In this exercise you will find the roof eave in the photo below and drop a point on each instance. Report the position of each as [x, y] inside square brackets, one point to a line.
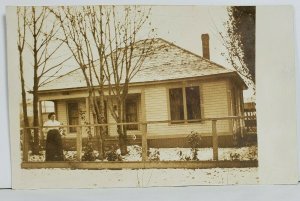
[220, 75]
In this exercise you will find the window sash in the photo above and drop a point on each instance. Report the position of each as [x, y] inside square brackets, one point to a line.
[176, 104]
[193, 103]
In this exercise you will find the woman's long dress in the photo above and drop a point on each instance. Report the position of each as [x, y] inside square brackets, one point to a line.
[54, 150]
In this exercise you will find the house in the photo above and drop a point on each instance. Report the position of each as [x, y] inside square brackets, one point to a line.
[173, 84]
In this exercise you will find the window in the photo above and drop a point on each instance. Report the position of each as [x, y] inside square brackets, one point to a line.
[185, 103]
[132, 113]
[73, 116]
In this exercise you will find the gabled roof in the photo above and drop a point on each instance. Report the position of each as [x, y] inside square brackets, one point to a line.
[168, 63]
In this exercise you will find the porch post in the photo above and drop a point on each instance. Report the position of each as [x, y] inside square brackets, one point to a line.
[87, 108]
[230, 110]
[241, 102]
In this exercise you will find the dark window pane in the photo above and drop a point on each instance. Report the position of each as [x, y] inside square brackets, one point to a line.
[193, 102]
[132, 114]
[176, 104]
[73, 116]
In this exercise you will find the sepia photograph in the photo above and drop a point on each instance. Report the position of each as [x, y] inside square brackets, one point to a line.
[162, 91]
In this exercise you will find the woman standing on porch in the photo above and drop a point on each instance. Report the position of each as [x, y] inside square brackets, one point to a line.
[54, 151]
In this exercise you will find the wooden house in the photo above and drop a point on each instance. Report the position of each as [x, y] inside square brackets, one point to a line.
[173, 84]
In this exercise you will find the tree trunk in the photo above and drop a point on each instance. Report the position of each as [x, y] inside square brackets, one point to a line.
[26, 132]
[100, 144]
[98, 130]
[102, 121]
[35, 88]
[122, 128]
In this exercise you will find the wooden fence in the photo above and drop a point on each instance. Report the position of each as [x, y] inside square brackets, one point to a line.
[145, 163]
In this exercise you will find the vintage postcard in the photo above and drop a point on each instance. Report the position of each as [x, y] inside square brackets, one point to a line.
[134, 96]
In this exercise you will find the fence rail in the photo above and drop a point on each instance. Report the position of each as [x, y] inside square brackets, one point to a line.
[145, 163]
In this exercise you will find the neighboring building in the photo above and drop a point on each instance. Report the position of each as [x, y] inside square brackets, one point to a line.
[250, 122]
[46, 106]
[173, 84]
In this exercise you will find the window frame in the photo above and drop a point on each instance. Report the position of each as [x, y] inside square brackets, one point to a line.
[68, 116]
[185, 120]
[134, 99]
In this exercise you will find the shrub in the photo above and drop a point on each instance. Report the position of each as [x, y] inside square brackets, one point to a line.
[154, 156]
[89, 154]
[235, 156]
[113, 154]
[252, 155]
[194, 140]
[184, 157]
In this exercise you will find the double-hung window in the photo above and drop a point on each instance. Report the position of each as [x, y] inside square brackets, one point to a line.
[185, 104]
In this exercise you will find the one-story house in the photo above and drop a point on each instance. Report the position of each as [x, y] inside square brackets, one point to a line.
[173, 84]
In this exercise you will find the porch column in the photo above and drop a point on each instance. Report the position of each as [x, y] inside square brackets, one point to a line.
[241, 102]
[230, 110]
[87, 108]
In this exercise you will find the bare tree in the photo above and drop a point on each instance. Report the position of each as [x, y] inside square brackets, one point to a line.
[43, 46]
[21, 13]
[21, 43]
[104, 46]
[125, 59]
[83, 36]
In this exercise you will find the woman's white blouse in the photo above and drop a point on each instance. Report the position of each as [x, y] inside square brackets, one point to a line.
[51, 123]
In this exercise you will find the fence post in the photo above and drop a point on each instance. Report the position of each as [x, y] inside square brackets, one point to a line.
[79, 143]
[215, 140]
[25, 145]
[144, 142]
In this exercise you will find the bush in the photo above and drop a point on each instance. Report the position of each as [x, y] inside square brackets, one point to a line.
[113, 154]
[194, 140]
[235, 156]
[89, 154]
[154, 156]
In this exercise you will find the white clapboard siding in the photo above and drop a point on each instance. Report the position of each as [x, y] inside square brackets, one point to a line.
[214, 99]
[215, 104]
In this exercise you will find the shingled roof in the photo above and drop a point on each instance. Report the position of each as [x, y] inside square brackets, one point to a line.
[168, 63]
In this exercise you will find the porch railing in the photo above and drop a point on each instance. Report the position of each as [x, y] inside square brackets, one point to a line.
[145, 163]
